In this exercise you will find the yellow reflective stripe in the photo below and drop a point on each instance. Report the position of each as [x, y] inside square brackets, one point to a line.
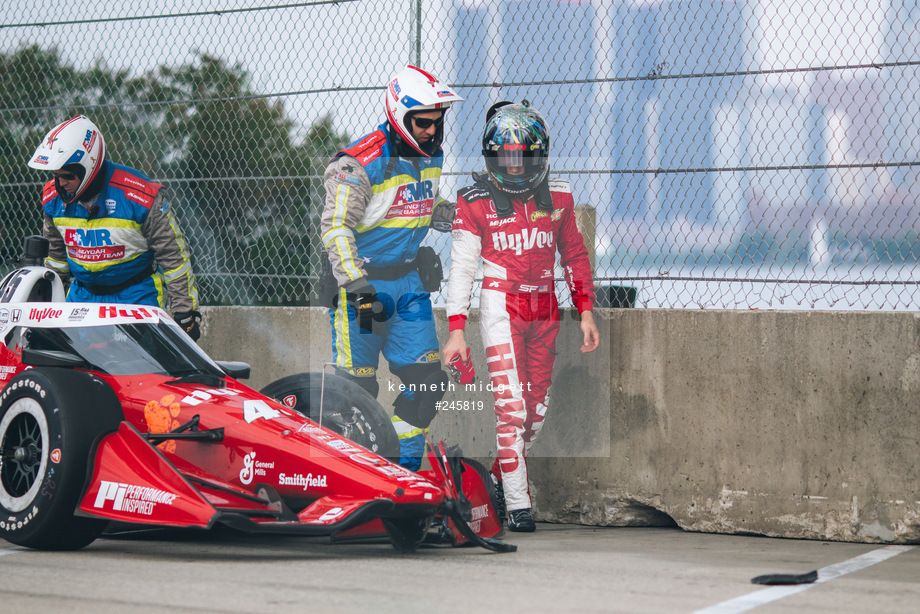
[177, 272]
[190, 289]
[347, 259]
[396, 222]
[341, 238]
[185, 269]
[399, 180]
[342, 334]
[101, 266]
[335, 233]
[180, 240]
[341, 205]
[404, 430]
[431, 173]
[57, 265]
[161, 290]
[76, 222]
[392, 182]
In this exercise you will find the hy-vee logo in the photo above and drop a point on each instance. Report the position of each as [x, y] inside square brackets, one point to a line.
[40, 314]
[111, 311]
[524, 240]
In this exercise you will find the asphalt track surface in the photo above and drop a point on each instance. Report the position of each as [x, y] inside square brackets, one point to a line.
[560, 568]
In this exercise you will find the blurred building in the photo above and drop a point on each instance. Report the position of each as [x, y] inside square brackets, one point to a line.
[546, 44]
[694, 89]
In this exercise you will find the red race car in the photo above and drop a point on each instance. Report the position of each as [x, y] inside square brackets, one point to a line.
[112, 413]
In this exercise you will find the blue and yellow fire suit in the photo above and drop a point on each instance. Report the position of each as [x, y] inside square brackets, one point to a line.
[377, 212]
[123, 246]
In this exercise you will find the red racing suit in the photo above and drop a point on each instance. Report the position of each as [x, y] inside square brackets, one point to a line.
[519, 313]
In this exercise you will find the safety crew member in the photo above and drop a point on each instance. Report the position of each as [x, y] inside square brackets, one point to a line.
[112, 233]
[381, 198]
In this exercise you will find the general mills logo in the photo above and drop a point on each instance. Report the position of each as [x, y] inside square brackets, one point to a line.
[247, 472]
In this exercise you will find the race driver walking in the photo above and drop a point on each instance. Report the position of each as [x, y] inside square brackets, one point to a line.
[515, 218]
[381, 198]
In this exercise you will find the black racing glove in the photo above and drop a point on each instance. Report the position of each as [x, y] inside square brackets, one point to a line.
[367, 306]
[189, 320]
[442, 218]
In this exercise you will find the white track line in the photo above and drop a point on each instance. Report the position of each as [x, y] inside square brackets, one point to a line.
[13, 550]
[761, 597]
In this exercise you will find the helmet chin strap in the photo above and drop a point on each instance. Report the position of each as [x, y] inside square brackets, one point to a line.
[89, 190]
[542, 196]
[404, 149]
[66, 196]
[502, 200]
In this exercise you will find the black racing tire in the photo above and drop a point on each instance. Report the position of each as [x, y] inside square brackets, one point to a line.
[50, 419]
[407, 534]
[349, 409]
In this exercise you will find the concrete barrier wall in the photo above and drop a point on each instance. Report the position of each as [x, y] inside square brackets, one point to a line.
[790, 424]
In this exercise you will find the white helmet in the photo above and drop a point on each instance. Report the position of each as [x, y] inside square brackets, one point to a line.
[413, 90]
[74, 142]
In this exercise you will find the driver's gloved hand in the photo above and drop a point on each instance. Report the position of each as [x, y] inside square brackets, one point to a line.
[366, 304]
[189, 320]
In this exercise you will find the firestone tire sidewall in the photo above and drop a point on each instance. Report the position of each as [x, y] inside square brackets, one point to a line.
[40, 512]
[303, 391]
[18, 510]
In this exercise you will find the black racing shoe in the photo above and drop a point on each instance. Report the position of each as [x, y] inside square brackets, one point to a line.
[499, 499]
[521, 521]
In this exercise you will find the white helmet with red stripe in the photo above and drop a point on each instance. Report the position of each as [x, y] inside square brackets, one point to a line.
[76, 143]
[413, 90]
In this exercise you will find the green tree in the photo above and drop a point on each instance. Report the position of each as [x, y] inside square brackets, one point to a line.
[37, 91]
[248, 192]
[251, 193]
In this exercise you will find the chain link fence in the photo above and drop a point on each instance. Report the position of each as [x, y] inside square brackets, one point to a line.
[729, 154]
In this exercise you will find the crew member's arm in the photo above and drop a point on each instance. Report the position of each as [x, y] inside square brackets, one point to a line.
[165, 238]
[466, 247]
[348, 191]
[578, 275]
[57, 250]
